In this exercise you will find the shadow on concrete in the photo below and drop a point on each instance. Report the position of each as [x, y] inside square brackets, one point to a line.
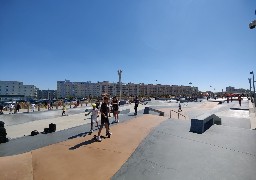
[83, 144]
[79, 135]
[243, 109]
[93, 140]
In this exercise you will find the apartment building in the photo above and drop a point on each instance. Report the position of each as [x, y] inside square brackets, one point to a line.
[46, 94]
[17, 89]
[67, 89]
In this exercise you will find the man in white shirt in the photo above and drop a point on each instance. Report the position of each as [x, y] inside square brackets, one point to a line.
[33, 106]
[11, 108]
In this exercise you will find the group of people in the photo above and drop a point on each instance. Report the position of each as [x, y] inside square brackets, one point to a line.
[104, 112]
[14, 108]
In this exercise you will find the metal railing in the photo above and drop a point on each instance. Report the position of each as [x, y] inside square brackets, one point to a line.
[179, 114]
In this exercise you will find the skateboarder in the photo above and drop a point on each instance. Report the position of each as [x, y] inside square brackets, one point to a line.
[94, 116]
[104, 118]
[64, 110]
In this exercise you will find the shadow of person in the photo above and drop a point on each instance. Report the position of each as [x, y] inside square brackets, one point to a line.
[79, 135]
[82, 144]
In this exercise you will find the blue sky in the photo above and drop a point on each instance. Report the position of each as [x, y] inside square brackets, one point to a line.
[206, 42]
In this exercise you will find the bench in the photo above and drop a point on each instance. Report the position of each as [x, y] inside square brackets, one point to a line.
[200, 124]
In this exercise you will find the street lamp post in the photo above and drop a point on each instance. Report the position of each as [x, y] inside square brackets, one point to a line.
[250, 82]
[253, 86]
[120, 83]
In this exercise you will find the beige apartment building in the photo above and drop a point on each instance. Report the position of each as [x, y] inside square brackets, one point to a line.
[67, 89]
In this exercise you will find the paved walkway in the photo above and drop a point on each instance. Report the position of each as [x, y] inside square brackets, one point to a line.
[81, 158]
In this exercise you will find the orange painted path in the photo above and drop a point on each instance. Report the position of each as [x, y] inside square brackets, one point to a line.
[81, 158]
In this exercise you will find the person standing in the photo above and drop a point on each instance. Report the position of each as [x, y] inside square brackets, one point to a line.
[18, 107]
[97, 103]
[115, 108]
[1, 109]
[136, 102]
[180, 108]
[239, 99]
[109, 109]
[104, 118]
[11, 108]
[33, 107]
[94, 116]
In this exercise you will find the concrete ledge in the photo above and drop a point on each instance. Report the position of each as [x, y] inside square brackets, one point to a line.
[147, 109]
[202, 123]
[252, 115]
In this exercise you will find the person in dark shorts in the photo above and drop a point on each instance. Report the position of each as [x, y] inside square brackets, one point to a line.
[18, 107]
[104, 118]
[136, 101]
[239, 99]
[115, 109]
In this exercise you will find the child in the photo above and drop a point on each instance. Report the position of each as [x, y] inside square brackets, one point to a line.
[64, 110]
[94, 116]
[104, 118]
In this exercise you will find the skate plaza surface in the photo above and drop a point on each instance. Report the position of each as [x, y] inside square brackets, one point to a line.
[146, 146]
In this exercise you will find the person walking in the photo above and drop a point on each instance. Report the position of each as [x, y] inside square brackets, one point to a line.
[180, 108]
[115, 108]
[94, 116]
[104, 118]
[136, 102]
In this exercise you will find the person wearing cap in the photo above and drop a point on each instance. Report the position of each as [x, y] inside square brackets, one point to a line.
[94, 116]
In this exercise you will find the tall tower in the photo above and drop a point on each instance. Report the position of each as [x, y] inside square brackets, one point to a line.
[120, 83]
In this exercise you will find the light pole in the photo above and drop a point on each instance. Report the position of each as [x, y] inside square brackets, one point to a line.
[120, 83]
[48, 94]
[253, 86]
[250, 82]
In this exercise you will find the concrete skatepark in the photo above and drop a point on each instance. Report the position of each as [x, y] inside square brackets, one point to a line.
[147, 146]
